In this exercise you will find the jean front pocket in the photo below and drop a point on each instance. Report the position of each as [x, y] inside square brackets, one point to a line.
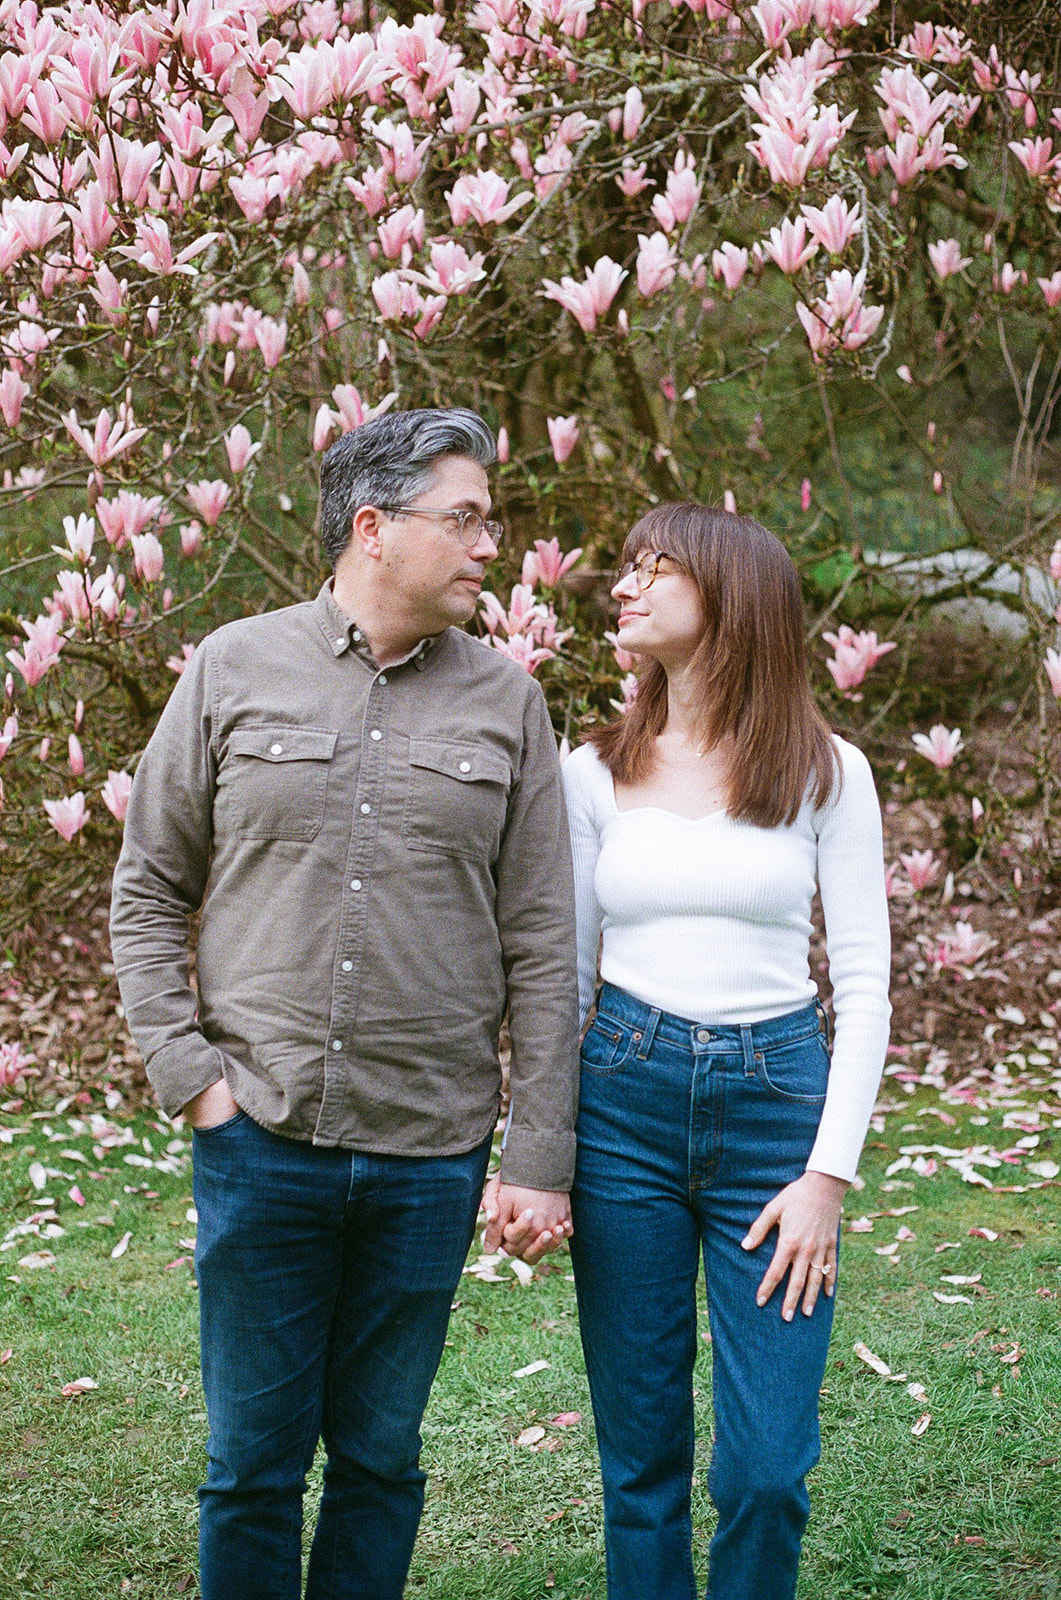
[221, 1127]
[608, 1044]
[796, 1070]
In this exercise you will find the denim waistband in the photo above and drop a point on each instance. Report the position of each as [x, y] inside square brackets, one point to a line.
[714, 1038]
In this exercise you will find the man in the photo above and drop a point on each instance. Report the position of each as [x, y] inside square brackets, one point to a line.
[365, 802]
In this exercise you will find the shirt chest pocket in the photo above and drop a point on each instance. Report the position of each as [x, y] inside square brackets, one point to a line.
[274, 782]
[457, 798]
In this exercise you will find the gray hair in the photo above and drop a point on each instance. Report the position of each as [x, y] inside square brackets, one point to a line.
[389, 461]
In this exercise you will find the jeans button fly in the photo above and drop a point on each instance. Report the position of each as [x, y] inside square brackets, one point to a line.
[703, 1036]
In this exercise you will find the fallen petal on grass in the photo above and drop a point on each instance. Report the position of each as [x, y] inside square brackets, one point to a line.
[567, 1419]
[535, 1366]
[960, 1279]
[79, 1386]
[37, 1258]
[530, 1435]
[921, 1425]
[121, 1247]
[951, 1299]
[983, 1233]
[864, 1353]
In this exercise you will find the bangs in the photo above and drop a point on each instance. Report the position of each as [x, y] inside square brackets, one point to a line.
[666, 529]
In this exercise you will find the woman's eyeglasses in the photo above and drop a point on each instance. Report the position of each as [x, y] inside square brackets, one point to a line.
[645, 568]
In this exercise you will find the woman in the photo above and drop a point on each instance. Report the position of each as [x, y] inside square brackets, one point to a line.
[702, 821]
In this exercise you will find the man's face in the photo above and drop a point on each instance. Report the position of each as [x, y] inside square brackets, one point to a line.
[435, 578]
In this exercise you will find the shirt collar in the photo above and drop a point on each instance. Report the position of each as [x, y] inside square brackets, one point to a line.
[342, 633]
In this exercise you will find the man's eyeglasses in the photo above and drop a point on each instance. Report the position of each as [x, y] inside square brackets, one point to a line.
[645, 568]
[470, 526]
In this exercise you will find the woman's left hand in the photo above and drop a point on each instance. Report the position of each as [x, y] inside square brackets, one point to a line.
[806, 1215]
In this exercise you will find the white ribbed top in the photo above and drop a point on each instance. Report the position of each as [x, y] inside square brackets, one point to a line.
[711, 920]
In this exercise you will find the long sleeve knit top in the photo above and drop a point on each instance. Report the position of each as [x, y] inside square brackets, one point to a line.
[710, 919]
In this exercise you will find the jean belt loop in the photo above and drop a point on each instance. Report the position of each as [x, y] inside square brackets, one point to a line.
[823, 1020]
[748, 1049]
[648, 1033]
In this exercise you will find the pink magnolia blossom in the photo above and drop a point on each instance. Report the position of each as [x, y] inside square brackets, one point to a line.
[109, 438]
[632, 179]
[674, 207]
[940, 745]
[148, 557]
[805, 495]
[271, 337]
[482, 197]
[628, 691]
[855, 655]
[1036, 156]
[504, 448]
[1009, 278]
[774, 20]
[1051, 288]
[625, 660]
[787, 245]
[729, 263]
[521, 649]
[42, 648]
[452, 271]
[546, 564]
[76, 756]
[68, 815]
[465, 97]
[1052, 663]
[525, 613]
[657, 264]
[588, 301]
[127, 513]
[833, 225]
[400, 231]
[325, 425]
[115, 793]
[947, 259]
[889, 879]
[1055, 562]
[960, 947]
[13, 1064]
[36, 221]
[633, 112]
[177, 664]
[153, 249]
[208, 498]
[92, 220]
[80, 537]
[563, 436]
[191, 534]
[13, 390]
[240, 449]
[922, 868]
[8, 735]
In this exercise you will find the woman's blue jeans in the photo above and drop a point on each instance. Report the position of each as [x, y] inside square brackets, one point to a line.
[326, 1279]
[684, 1133]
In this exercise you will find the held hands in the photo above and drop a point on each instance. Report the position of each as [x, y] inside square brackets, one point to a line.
[210, 1108]
[524, 1222]
[806, 1215]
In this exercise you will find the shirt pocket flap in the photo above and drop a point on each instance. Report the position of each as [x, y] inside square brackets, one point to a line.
[284, 744]
[468, 763]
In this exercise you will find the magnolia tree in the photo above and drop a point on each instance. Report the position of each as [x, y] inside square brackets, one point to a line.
[670, 250]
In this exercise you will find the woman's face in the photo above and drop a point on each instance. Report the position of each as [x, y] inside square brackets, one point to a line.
[660, 611]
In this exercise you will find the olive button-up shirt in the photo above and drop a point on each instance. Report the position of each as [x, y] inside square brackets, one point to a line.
[382, 865]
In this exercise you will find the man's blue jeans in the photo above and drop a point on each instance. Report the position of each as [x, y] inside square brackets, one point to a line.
[326, 1279]
[684, 1134]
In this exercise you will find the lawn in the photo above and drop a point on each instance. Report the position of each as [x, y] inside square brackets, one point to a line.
[99, 1492]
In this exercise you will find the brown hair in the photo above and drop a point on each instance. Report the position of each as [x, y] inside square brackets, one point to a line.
[750, 666]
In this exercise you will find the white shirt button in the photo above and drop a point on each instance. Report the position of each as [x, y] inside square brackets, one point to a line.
[348, 966]
[355, 883]
[340, 644]
[365, 808]
[357, 635]
[276, 749]
[466, 766]
[382, 678]
[376, 734]
[337, 1044]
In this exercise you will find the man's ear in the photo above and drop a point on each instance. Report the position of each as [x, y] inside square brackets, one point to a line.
[366, 534]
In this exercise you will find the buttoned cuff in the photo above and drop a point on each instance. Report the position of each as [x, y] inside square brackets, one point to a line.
[183, 1069]
[539, 1160]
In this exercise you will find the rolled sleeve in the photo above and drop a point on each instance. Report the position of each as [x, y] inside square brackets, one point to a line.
[536, 924]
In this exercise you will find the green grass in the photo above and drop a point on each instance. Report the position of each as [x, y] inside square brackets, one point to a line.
[98, 1491]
